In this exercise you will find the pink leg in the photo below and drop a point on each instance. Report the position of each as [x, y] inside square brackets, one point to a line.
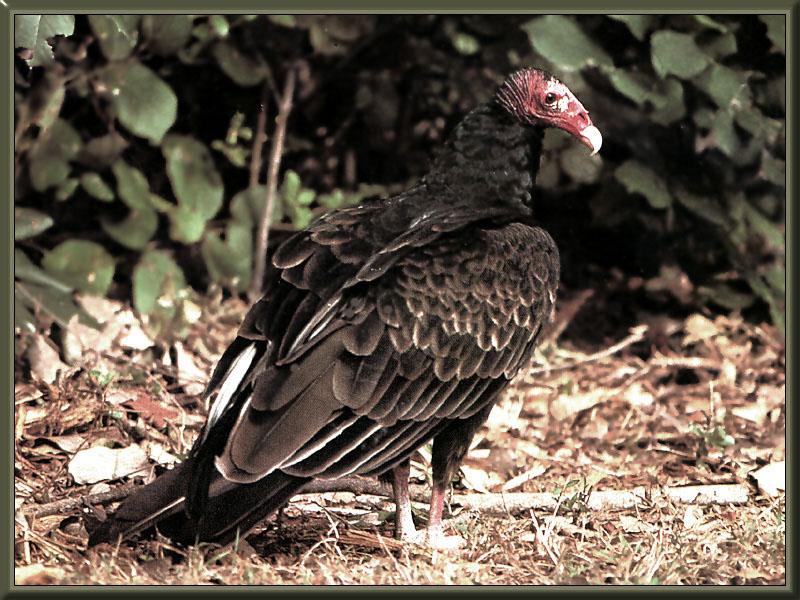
[404, 521]
[435, 534]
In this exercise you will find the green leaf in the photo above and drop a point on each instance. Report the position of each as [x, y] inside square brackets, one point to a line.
[465, 44]
[82, 264]
[56, 304]
[301, 216]
[242, 69]
[668, 102]
[48, 172]
[50, 156]
[219, 24]
[94, 185]
[724, 134]
[772, 169]
[144, 104]
[230, 261]
[186, 224]
[157, 281]
[338, 199]
[29, 223]
[247, 205]
[135, 230]
[195, 181]
[776, 278]
[721, 46]
[116, 34]
[66, 189]
[54, 92]
[25, 270]
[23, 318]
[630, 85]
[581, 167]
[639, 179]
[752, 120]
[161, 205]
[33, 31]
[332, 35]
[674, 53]
[283, 20]
[305, 197]
[727, 297]
[132, 186]
[296, 199]
[332, 201]
[773, 298]
[765, 228]
[290, 187]
[236, 155]
[561, 41]
[102, 151]
[639, 25]
[703, 118]
[166, 34]
[725, 86]
[705, 208]
[776, 30]
[711, 23]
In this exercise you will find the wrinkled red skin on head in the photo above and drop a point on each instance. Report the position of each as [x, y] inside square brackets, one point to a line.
[524, 95]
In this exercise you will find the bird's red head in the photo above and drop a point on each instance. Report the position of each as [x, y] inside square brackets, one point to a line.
[537, 98]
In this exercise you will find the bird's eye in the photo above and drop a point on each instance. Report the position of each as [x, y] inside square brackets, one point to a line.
[550, 98]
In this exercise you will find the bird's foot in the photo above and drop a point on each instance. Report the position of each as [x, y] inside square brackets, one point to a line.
[434, 539]
[437, 540]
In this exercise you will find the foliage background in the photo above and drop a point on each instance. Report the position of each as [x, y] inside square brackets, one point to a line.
[133, 138]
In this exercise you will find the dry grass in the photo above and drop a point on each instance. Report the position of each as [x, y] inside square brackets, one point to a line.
[657, 413]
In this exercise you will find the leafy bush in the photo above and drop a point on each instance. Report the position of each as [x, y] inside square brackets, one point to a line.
[134, 137]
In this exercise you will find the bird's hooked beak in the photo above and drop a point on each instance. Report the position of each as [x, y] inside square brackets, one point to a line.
[575, 120]
[592, 137]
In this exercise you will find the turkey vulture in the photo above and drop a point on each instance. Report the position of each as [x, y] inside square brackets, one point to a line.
[383, 326]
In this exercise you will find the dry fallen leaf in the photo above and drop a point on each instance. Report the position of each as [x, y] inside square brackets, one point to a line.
[567, 405]
[633, 525]
[523, 478]
[692, 517]
[637, 396]
[44, 359]
[150, 410]
[134, 338]
[190, 376]
[100, 463]
[79, 339]
[68, 443]
[771, 479]
[698, 328]
[37, 574]
[26, 392]
[158, 453]
[478, 479]
[102, 309]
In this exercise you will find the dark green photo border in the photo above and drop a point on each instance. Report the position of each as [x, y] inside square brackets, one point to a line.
[8, 8]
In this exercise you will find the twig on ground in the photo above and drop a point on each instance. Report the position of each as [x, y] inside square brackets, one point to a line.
[69, 504]
[566, 313]
[686, 362]
[488, 503]
[636, 335]
[543, 537]
[275, 156]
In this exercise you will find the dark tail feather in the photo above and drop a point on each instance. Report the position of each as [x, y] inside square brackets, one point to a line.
[228, 512]
[236, 511]
[145, 507]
